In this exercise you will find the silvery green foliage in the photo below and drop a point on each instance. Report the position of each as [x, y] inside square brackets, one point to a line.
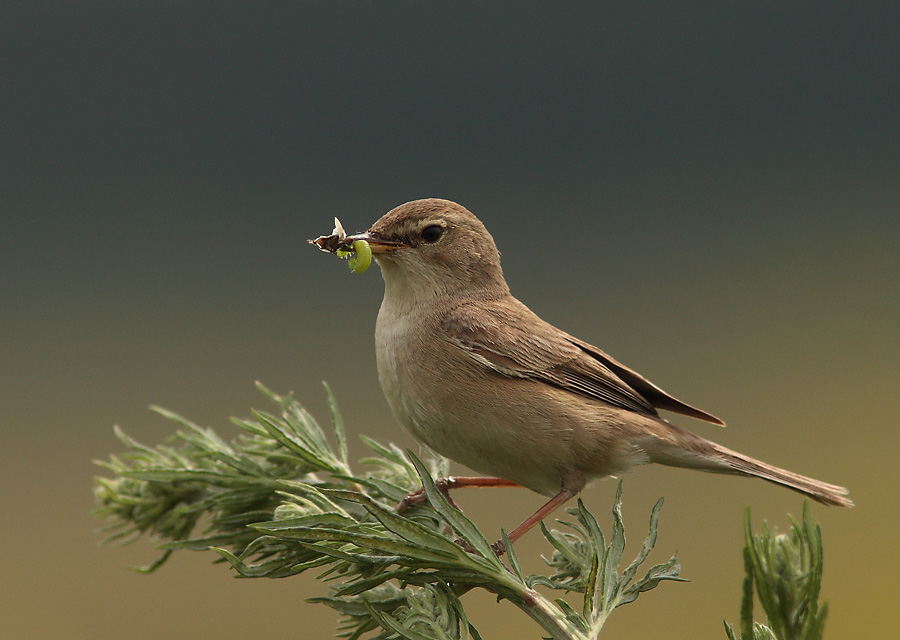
[585, 563]
[282, 499]
[786, 570]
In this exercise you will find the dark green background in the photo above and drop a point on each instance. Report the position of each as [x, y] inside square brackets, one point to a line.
[709, 191]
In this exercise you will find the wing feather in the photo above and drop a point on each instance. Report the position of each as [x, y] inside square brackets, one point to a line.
[509, 338]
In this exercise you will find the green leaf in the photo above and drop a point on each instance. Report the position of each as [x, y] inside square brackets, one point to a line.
[614, 552]
[572, 616]
[340, 432]
[387, 622]
[649, 543]
[511, 555]
[416, 555]
[403, 527]
[786, 571]
[307, 521]
[302, 447]
[565, 548]
[593, 602]
[464, 527]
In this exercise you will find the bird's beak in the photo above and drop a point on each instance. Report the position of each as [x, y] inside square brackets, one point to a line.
[377, 244]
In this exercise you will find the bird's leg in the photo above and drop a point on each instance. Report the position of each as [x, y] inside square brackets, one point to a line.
[444, 485]
[552, 505]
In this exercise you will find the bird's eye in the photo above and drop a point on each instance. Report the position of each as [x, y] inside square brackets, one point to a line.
[432, 233]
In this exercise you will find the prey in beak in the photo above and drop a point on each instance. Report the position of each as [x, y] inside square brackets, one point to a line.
[378, 245]
[339, 241]
[364, 245]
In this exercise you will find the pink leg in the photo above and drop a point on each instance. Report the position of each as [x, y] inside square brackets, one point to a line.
[444, 485]
[552, 505]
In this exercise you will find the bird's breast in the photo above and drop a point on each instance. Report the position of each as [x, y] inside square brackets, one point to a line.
[398, 354]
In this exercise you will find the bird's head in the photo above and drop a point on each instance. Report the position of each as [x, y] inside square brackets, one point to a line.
[433, 249]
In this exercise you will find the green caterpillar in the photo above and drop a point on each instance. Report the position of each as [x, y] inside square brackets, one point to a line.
[363, 258]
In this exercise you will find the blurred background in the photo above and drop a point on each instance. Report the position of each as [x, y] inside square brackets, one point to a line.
[708, 191]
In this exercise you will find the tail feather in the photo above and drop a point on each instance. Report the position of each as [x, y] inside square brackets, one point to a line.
[830, 494]
[681, 448]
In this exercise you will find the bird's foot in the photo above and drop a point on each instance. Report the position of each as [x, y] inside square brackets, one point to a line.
[418, 496]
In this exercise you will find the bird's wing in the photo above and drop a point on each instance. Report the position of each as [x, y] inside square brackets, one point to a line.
[510, 339]
[659, 398]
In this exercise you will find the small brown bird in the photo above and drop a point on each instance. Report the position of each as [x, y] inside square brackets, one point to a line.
[475, 375]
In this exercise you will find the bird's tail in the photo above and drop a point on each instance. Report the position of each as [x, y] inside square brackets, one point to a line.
[695, 452]
[830, 494]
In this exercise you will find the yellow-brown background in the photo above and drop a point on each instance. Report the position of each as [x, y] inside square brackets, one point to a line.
[709, 192]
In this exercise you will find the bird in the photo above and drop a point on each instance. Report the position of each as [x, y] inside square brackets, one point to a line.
[476, 376]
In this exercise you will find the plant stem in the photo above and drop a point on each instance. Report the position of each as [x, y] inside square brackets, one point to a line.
[546, 614]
